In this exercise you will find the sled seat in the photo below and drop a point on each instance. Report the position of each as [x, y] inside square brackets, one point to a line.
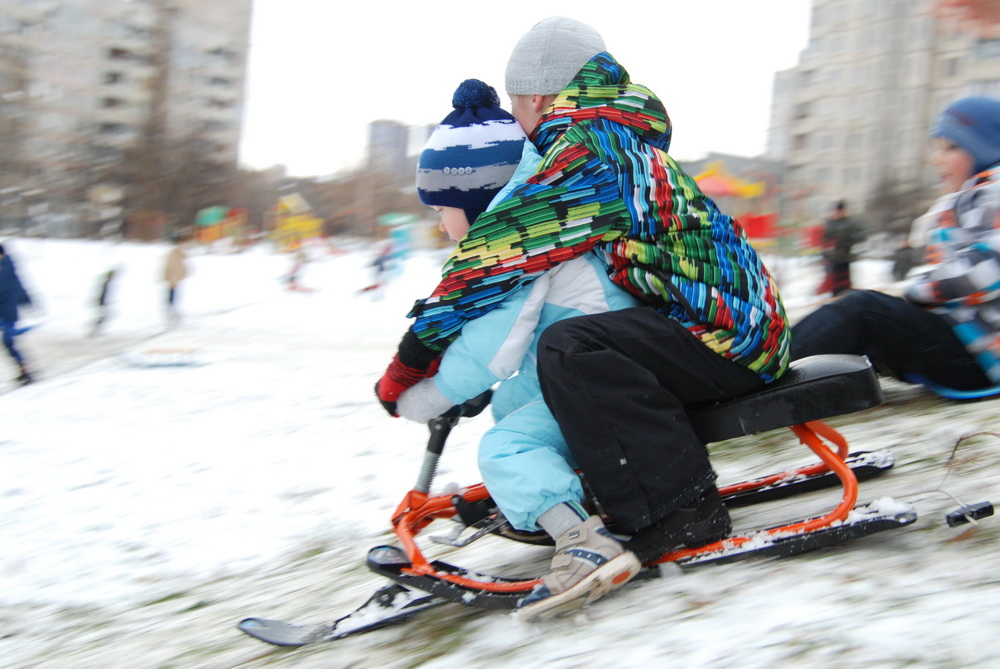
[813, 388]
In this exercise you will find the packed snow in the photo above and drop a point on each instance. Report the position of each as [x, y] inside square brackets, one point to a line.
[162, 483]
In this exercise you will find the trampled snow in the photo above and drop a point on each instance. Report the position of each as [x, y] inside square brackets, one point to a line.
[159, 484]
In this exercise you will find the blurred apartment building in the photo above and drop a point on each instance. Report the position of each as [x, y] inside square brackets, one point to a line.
[851, 120]
[394, 148]
[388, 143]
[85, 84]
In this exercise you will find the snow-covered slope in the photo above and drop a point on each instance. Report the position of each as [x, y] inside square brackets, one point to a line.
[160, 484]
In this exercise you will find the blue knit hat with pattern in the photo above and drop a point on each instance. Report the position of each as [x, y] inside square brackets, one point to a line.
[973, 125]
[472, 154]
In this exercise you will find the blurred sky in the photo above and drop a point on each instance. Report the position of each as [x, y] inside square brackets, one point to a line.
[320, 71]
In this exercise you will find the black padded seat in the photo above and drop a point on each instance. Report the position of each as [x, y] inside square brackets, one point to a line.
[814, 388]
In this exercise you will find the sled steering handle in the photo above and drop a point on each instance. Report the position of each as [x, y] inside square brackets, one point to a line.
[440, 428]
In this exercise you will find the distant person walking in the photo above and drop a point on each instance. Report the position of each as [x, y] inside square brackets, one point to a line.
[12, 296]
[101, 302]
[381, 265]
[175, 270]
[840, 234]
[299, 260]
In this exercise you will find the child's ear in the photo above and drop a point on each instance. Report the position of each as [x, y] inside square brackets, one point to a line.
[539, 103]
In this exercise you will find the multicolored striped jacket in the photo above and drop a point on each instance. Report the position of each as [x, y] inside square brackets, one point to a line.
[606, 183]
[963, 286]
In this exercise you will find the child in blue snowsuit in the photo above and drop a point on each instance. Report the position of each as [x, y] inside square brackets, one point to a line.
[12, 295]
[524, 460]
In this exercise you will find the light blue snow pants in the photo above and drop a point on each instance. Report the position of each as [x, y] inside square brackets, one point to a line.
[527, 467]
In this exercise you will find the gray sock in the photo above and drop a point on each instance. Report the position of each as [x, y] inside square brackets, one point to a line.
[562, 517]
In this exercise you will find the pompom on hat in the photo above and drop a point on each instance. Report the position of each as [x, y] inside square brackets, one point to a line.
[549, 55]
[472, 154]
[973, 125]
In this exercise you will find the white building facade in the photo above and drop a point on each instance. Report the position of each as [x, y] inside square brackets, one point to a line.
[851, 120]
[82, 81]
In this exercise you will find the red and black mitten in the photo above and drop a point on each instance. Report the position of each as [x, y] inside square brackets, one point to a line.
[412, 362]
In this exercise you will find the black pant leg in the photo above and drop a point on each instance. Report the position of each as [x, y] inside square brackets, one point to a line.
[617, 384]
[899, 338]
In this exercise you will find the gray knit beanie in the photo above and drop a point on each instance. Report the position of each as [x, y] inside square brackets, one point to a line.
[549, 55]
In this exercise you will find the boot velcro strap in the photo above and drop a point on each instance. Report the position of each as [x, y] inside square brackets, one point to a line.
[596, 559]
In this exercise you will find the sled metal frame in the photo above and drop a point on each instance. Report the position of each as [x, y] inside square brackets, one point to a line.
[814, 388]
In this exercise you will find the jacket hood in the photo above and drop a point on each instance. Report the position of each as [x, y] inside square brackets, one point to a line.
[602, 89]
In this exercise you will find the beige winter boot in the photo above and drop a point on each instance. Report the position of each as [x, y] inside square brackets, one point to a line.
[588, 564]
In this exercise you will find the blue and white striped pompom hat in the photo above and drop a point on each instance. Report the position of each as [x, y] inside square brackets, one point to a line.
[472, 154]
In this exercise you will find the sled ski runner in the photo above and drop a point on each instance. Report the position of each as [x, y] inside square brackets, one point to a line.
[397, 602]
[812, 390]
[390, 604]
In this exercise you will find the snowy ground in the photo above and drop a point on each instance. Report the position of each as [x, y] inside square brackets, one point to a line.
[144, 510]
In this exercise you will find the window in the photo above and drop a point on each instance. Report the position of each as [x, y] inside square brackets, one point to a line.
[987, 49]
[859, 106]
[114, 77]
[988, 87]
[830, 108]
[865, 39]
[950, 67]
[222, 55]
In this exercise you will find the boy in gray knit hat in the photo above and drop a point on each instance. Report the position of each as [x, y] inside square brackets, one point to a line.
[524, 461]
[543, 63]
[549, 56]
[616, 382]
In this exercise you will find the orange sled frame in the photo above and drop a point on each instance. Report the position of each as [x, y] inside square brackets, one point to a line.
[814, 388]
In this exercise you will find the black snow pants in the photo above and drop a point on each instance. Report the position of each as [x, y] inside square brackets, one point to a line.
[899, 338]
[617, 384]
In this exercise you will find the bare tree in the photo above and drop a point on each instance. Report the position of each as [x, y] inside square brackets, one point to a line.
[894, 205]
[13, 168]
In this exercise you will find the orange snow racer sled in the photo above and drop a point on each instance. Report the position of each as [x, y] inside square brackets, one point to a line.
[813, 389]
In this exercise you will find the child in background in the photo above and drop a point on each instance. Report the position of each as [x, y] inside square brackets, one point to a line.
[175, 270]
[101, 302]
[946, 329]
[524, 461]
[12, 296]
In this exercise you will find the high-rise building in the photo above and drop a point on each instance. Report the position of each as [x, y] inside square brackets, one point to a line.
[85, 82]
[388, 147]
[851, 120]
